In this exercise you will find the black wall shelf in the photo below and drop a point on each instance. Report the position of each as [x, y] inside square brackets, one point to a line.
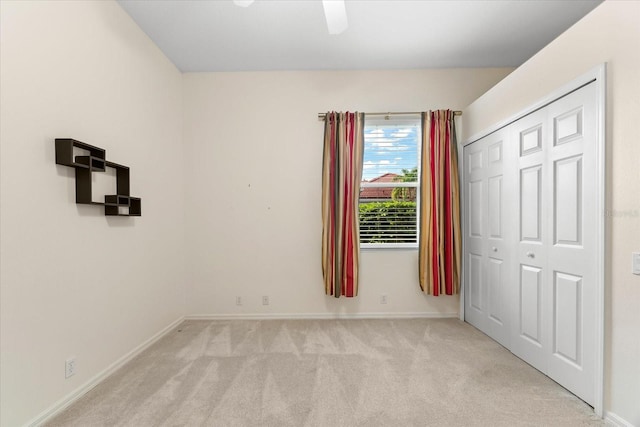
[120, 204]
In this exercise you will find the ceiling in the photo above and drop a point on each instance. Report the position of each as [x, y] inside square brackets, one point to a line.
[382, 34]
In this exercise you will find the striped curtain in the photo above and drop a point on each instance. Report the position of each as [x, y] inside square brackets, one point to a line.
[341, 174]
[439, 240]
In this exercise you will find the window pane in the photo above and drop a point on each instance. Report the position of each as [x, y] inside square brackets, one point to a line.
[391, 150]
[389, 189]
[388, 221]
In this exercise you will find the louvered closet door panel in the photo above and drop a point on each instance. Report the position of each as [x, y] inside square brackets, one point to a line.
[529, 314]
[572, 254]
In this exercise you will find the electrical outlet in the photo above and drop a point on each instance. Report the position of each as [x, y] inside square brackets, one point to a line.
[383, 299]
[70, 367]
[635, 263]
[238, 300]
[265, 300]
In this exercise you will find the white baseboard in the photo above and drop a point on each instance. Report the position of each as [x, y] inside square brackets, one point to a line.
[72, 397]
[267, 316]
[615, 420]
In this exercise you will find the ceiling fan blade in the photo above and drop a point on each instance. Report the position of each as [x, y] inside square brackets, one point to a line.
[243, 3]
[335, 13]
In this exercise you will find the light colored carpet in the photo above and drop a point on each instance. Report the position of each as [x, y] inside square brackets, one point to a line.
[409, 372]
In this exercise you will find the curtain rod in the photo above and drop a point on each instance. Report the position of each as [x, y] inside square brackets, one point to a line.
[322, 116]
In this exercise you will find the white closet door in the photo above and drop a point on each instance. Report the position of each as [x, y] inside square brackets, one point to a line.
[531, 256]
[529, 340]
[499, 226]
[485, 263]
[572, 254]
[475, 225]
[556, 251]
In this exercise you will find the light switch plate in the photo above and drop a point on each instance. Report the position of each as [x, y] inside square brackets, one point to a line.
[636, 263]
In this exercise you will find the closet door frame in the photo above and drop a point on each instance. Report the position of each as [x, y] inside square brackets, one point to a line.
[596, 76]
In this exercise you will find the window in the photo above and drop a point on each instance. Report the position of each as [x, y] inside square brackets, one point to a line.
[389, 186]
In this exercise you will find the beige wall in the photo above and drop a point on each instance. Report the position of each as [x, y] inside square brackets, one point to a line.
[253, 182]
[611, 33]
[74, 283]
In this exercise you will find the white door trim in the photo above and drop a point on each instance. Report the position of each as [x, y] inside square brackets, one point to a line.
[597, 76]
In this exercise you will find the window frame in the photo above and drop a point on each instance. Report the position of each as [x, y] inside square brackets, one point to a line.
[413, 120]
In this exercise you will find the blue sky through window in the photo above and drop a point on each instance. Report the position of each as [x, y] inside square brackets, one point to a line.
[389, 148]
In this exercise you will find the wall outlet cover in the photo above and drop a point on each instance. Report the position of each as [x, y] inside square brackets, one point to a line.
[70, 367]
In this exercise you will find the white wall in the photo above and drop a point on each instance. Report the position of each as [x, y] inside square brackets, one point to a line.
[253, 184]
[72, 281]
[611, 33]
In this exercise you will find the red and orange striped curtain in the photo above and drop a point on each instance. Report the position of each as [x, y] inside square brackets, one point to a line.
[341, 175]
[439, 240]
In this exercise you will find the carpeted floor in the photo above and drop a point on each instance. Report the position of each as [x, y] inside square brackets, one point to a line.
[409, 372]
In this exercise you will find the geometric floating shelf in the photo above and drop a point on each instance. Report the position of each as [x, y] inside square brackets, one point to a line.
[120, 204]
